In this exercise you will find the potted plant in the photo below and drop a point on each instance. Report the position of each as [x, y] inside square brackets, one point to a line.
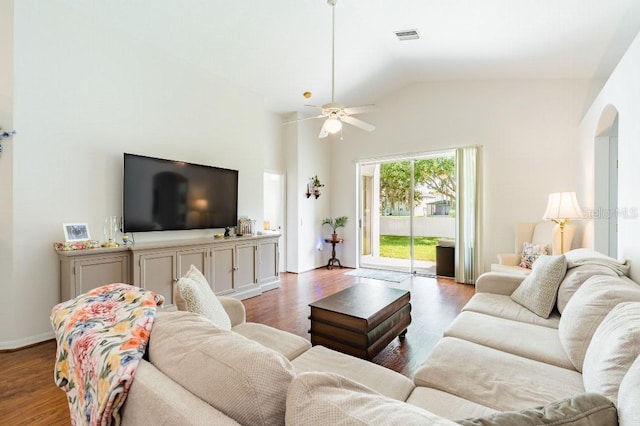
[335, 223]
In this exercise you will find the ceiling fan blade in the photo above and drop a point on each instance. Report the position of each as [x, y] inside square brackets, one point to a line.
[323, 131]
[302, 119]
[360, 109]
[358, 123]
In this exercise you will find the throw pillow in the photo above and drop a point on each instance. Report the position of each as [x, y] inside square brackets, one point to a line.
[326, 398]
[586, 310]
[531, 252]
[575, 277]
[245, 380]
[614, 347]
[538, 291]
[585, 409]
[193, 294]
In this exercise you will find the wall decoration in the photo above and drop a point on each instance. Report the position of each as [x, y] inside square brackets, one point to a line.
[313, 187]
[5, 135]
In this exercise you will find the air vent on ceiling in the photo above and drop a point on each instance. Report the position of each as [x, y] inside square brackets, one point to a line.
[407, 35]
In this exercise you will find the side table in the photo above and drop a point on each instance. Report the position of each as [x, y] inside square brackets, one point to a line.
[333, 259]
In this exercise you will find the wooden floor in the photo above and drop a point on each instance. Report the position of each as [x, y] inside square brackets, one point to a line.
[28, 395]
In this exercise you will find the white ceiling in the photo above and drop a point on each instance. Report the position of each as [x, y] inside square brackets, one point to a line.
[282, 48]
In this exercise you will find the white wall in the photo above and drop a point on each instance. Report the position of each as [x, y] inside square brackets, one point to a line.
[622, 90]
[307, 156]
[6, 162]
[528, 130]
[84, 94]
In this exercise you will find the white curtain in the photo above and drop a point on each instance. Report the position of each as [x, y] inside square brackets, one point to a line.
[468, 214]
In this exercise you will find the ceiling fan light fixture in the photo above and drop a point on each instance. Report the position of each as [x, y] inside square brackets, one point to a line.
[333, 125]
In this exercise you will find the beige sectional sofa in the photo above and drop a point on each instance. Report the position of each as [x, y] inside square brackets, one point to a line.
[496, 359]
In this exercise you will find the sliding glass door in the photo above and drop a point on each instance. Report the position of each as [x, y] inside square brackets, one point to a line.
[405, 209]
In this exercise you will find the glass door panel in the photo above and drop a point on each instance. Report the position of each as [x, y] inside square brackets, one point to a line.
[405, 210]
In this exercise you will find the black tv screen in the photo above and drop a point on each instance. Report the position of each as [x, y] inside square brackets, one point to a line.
[162, 195]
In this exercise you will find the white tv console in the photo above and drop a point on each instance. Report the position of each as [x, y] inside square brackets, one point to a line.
[240, 267]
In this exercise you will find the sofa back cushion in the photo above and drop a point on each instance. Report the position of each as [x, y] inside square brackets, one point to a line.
[574, 279]
[629, 395]
[586, 310]
[538, 290]
[239, 377]
[614, 347]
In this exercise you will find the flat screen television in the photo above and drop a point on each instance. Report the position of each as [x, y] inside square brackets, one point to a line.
[163, 195]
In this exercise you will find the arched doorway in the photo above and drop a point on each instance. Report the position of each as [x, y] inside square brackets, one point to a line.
[605, 214]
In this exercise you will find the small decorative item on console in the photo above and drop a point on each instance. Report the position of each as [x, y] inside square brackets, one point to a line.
[76, 232]
[245, 226]
[110, 231]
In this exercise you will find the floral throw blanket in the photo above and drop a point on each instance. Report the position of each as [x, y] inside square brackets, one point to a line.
[101, 336]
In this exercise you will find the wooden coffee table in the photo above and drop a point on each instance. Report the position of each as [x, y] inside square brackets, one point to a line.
[360, 320]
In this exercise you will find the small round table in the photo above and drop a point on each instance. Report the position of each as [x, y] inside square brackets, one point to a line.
[333, 259]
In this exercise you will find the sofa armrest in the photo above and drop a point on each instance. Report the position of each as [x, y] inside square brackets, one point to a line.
[498, 283]
[509, 259]
[234, 308]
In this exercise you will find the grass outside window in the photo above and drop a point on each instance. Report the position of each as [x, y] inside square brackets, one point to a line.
[397, 247]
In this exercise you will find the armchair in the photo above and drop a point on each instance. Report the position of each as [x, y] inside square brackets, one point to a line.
[538, 233]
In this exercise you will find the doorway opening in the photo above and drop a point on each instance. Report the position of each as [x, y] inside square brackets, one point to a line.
[274, 203]
[407, 212]
[605, 214]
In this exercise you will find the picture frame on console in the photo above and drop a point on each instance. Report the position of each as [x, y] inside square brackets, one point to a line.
[76, 232]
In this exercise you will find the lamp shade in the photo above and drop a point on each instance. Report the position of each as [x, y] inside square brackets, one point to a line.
[562, 205]
[332, 125]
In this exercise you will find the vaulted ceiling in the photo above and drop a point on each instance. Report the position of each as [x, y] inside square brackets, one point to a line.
[282, 48]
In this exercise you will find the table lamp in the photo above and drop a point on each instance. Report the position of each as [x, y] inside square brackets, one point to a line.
[561, 208]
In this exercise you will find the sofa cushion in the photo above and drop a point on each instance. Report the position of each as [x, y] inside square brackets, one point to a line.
[574, 278]
[239, 377]
[531, 253]
[515, 337]
[155, 399]
[629, 395]
[331, 399]
[446, 405]
[382, 380]
[193, 294]
[614, 347]
[493, 378]
[586, 409]
[538, 291]
[503, 306]
[586, 310]
[288, 344]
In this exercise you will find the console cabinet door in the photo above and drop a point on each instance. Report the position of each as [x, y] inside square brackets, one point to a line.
[246, 266]
[197, 257]
[268, 262]
[158, 273]
[88, 272]
[223, 266]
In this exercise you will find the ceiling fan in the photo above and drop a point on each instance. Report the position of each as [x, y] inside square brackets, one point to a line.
[335, 113]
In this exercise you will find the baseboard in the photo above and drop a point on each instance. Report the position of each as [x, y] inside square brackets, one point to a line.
[13, 345]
